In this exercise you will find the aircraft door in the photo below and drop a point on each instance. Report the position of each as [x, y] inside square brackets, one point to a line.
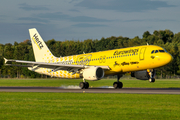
[142, 53]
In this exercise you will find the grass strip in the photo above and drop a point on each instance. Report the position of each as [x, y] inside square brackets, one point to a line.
[78, 106]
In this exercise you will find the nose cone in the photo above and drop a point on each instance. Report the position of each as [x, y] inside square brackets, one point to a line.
[160, 59]
[167, 58]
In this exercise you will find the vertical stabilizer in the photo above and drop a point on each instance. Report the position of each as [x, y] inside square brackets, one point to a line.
[41, 51]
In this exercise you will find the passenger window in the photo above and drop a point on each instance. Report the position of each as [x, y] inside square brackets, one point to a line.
[152, 52]
[156, 51]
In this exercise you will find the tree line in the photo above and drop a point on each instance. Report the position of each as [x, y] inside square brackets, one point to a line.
[23, 51]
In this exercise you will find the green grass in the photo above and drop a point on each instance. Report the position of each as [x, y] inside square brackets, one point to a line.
[87, 106]
[168, 83]
[78, 106]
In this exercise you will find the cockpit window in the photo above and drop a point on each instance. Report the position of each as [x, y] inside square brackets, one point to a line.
[161, 51]
[156, 51]
[152, 52]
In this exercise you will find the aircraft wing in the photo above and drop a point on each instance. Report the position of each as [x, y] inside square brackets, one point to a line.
[54, 66]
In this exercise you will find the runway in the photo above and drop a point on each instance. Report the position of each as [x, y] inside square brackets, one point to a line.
[93, 90]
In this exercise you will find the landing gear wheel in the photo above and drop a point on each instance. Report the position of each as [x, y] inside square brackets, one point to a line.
[120, 84]
[152, 80]
[82, 85]
[117, 85]
[86, 85]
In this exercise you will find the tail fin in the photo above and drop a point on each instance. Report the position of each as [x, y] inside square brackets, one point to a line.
[41, 51]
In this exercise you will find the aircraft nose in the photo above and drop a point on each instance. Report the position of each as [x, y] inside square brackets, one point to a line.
[163, 59]
[168, 58]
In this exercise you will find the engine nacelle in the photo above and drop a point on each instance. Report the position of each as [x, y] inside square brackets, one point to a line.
[142, 75]
[93, 73]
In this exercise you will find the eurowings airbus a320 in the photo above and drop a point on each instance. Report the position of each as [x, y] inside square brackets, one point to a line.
[140, 61]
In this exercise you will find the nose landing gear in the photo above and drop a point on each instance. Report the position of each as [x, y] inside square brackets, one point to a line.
[151, 75]
[151, 80]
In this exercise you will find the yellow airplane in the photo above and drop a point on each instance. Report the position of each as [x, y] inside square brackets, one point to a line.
[140, 61]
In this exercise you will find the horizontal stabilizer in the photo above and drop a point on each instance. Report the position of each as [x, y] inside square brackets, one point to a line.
[18, 65]
[6, 60]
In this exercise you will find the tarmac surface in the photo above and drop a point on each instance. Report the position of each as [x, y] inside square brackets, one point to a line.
[92, 90]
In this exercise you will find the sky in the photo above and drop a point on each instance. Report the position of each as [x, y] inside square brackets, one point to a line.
[86, 19]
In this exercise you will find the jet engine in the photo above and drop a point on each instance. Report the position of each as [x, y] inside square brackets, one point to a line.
[93, 73]
[142, 75]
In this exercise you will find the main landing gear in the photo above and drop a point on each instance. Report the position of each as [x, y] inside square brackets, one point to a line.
[84, 85]
[118, 84]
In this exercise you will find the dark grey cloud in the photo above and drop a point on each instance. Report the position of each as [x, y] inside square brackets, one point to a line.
[12, 32]
[150, 20]
[3, 17]
[27, 7]
[54, 16]
[124, 5]
[61, 16]
[87, 19]
[34, 19]
[74, 10]
[85, 25]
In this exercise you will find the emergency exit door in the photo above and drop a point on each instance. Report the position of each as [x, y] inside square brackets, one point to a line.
[142, 53]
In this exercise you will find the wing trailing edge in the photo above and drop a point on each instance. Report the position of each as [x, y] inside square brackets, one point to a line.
[55, 66]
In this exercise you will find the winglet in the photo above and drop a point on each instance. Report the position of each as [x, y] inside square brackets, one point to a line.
[6, 60]
[9, 60]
